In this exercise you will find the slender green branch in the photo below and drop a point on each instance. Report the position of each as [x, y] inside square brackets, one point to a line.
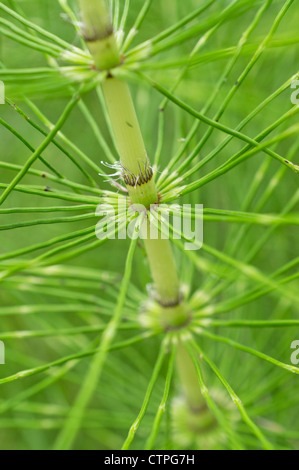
[41, 148]
[153, 380]
[236, 400]
[69, 359]
[162, 407]
[73, 422]
[249, 350]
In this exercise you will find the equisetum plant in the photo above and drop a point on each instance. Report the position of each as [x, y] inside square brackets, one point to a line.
[115, 338]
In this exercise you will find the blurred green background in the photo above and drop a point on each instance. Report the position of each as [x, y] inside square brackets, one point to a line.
[35, 422]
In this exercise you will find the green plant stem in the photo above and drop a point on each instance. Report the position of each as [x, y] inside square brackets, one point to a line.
[163, 270]
[135, 166]
[189, 380]
[136, 169]
[98, 33]
[138, 175]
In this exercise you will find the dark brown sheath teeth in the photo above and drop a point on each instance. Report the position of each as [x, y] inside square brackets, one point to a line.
[98, 35]
[144, 176]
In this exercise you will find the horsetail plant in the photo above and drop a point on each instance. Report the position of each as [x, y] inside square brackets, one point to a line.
[176, 107]
[138, 176]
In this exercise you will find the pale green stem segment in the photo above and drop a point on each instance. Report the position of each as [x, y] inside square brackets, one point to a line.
[135, 166]
[136, 170]
[189, 380]
[164, 274]
[138, 175]
[98, 33]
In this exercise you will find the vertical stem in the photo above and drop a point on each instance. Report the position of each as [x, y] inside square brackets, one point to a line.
[139, 179]
[138, 176]
[165, 275]
[98, 33]
[189, 380]
[202, 420]
[135, 165]
[136, 170]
